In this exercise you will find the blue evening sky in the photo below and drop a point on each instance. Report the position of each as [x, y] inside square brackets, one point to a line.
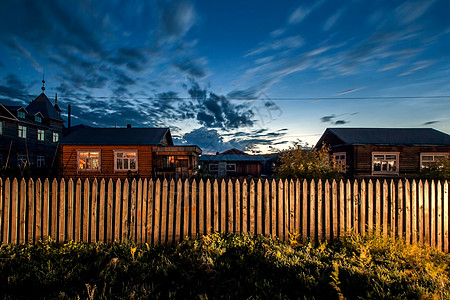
[221, 74]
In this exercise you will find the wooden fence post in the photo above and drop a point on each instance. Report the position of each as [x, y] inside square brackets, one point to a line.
[22, 211]
[223, 205]
[78, 211]
[187, 209]
[362, 200]
[208, 207]
[319, 210]
[356, 205]
[178, 236]
[237, 197]
[102, 227]
[280, 209]
[70, 209]
[216, 205]
[407, 212]
[252, 205]
[433, 213]
[258, 208]
[298, 204]
[393, 209]
[334, 204]
[426, 212]
[378, 207]
[421, 213]
[230, 206]
[164, 204]
[118, 211]
[194, 209]
[305, 210]
[341, 208]
[370, 207]
[171, 217]
[150, 212]
[245, 206]
[38, 215]
[110, 211]
[414, 211]
[327, 211]
[157, 213]
[439, 215]
[94, 213]
[62, 214]
[139, 218]
[31, 203]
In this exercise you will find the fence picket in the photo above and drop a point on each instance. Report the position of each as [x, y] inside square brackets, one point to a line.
[319, 208]
[208, 207]
[94, 210]
[312, 210]
[377, 207]
[139, 204]
[363, 200]
[426, 213]
[305, 210]
[194, 206]
[393, 210]
[85, 228]
[70, 209]
[4, 214]
[171, 212]
[237, 201]
[252, 206]
[341, 208]
[118, 211]
[102, 227]
[110, 211]
[327, 211]
[78, 211]
[280, 209]
[201, 207]
[433, 214]
[297, 201]
[266, 207]
[356, 204]
[244, 206]
[349, 206]
[439, 215]
[150, 212]
[385, 208]
[186, 209]
[143, 230]
[54, 211]
[291, 207]
[157, 213]
[223, 207]
[334, 202]
[125, 211]
[31, 202]
[407, 212]
[258, 207]
[216, 203]
[274, 209]
[414, 212]
[14, 212]
[421, 213]
[178, 209]
[230, 206]
[38, 211]
[446, 218]
[22, 210]
[62, 211]
[370, 207]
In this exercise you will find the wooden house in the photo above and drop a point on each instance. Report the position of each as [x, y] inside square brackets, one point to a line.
[386, 152]
[123, 152]
[29, 135]
[233, 163]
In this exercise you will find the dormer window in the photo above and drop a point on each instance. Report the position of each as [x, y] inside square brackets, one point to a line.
[38, 119]
[21, 114]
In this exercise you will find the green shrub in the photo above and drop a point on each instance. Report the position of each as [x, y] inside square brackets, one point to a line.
[226, 266]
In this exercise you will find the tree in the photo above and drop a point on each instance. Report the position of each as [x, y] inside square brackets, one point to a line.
[438, 171]
[302, 162]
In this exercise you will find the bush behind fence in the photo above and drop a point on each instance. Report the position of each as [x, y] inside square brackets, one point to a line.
[161, 211]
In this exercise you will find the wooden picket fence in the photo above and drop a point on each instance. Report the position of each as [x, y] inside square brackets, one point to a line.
[147, 211]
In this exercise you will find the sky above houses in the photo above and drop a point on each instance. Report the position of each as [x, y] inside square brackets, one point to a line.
[247, 74]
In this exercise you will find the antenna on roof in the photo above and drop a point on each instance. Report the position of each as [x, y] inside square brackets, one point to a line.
[43, 82]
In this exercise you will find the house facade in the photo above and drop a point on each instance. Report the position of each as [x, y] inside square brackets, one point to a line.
[29, 136]
[386, 152]
[233, 163]
[123, 152]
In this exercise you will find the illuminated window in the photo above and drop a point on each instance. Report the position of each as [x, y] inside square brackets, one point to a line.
[55, 137]
[213, 167]
[38, 119]
[89, 160]
[40, 134]
[21, 114]
[385, 162]
[432, 159]
[22, 131]
[231, 167]
[40, 162]
[125, 160]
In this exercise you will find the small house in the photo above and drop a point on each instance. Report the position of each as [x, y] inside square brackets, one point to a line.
[233, 163]
[389, 152]
[124, 152]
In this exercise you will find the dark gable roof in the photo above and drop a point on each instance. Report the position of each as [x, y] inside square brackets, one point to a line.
[232, 157]
[234, 151]
[118, 136]
[42, 104]
[389, 136]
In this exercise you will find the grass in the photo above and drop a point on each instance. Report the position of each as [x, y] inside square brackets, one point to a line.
[226, 266]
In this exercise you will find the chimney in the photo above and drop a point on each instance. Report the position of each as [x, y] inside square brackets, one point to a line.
[69, 109]
[128, 125]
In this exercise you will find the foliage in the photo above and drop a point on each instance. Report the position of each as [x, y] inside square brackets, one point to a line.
[226, 266]
[301, 162]
[437, 171]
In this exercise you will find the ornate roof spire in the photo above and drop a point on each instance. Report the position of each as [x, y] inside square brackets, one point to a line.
[43, 82]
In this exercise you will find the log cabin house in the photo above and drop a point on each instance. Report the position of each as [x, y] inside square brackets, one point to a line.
[386, 152]
[123, 152]
[233, 163]
[29, 136]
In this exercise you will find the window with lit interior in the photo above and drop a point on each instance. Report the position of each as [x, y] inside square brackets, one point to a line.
[428, 160]
[40, 134]
[89, 160]
[55, 137]
[125, 160]
[231, 167]
[385, 162]
[22, 131]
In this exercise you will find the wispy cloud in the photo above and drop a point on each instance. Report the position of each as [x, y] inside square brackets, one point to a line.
[349, 91]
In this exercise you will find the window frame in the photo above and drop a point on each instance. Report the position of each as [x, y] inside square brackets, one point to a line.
[422, 154]
[43, 134]
[211, 170]
[40, 161]
[99, 169]
[57, 137]
[38, 119]
[231, 165]
[344, 164]
[20, 159]
[1, 127]
[21, 114]
[123, 151]
[22, 131]
[385, 153]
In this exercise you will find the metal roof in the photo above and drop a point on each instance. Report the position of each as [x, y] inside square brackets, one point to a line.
[232, 157]
[42, 104]
[390, 136]
[118, 136]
